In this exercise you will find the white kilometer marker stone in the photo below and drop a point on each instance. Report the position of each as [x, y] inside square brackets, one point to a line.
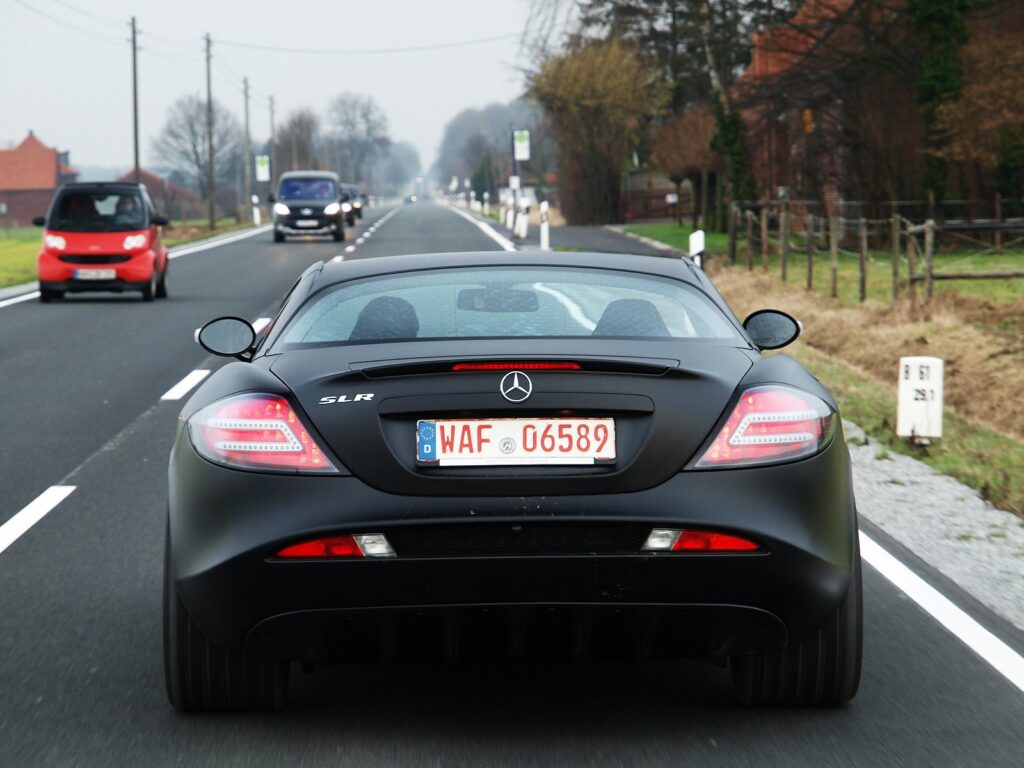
[1002, 657]
[185, 386]
[12, 530]
[260, 323]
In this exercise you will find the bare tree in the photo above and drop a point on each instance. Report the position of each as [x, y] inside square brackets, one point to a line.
[181, 144]
[298, 142]
[359, 133]
[681, 147]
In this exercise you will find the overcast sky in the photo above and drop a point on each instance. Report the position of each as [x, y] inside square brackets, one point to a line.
[73, 86]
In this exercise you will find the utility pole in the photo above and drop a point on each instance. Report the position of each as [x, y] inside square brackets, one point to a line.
[248, 148]
[273, 145]
[135, 99]
[209, 139]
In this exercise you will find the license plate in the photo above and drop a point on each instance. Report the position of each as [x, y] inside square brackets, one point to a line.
[95, 274]
[494, 442]
[307, 223]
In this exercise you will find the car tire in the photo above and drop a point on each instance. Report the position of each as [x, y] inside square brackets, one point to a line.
[46, 295]
[351, 221]
[202, 677]
[339, 234]
[161, 286]
[149, 292]
[278, 236]
[821, 670]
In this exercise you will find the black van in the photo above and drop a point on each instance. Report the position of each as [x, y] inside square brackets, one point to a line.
[308, 203]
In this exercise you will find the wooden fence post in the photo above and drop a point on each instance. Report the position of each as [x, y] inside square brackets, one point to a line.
[810, 251]
[863, 258]
[999, 220]
[894, 237]
[833, 246]
[764, 237]
[929, 256]
[912, 267]
[734, 213]
[750, 239]
[784, 234]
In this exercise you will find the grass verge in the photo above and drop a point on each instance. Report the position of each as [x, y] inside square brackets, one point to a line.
[672, 234]
[974, 454]
[19, 246]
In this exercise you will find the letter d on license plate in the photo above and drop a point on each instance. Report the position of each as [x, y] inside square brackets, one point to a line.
[495, 442]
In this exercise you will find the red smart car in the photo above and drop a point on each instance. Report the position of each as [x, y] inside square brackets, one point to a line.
[102, 237]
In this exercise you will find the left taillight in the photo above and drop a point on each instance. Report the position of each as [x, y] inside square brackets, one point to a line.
[768, 424]
[257, 432]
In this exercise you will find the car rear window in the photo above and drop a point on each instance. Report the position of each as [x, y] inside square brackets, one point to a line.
[83, 210]
[506, 302]
[307, 189]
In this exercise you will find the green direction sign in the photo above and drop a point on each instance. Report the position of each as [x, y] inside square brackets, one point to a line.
[262, 167]
[521, 145]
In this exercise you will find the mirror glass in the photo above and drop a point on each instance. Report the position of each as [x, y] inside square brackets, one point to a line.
[226, 336]
[771, 329]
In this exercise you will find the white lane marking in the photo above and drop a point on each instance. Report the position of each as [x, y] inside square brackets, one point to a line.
[1002, 657]
[207, 245]
[184, 386]
[360, 241]
[487, 229]
[36, 510]
[18, 299]
[574, 309]
[260, 323]
[349, 248]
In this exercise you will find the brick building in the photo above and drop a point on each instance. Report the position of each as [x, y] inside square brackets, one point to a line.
[29, 175]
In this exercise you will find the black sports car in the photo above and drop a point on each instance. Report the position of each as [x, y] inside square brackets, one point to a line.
[551, 455]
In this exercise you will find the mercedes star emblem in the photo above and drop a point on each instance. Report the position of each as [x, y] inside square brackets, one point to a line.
[516, 386]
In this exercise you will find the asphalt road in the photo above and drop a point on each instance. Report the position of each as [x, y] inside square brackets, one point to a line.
[81, 679]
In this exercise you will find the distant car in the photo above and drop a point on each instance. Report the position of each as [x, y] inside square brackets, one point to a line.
[410, 199]
[308, 203]
[355, 201]
[102, 237]
[550, 456]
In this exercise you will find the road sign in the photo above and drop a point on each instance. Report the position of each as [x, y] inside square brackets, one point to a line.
[520, 145]
[513, 183]
[919, 414]
[262, 167]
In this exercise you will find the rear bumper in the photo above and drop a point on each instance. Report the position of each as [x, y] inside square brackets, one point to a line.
[225, 525]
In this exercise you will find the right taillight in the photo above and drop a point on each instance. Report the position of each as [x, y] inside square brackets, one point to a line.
[257, 432]
[768, 424]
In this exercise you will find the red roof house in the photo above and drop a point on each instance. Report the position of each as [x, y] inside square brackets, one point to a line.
[29, 175]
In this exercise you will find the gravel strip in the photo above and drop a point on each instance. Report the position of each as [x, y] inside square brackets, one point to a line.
[944, 522]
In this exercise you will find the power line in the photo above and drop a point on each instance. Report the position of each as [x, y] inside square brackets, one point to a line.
[88, 14]
[369, 51]
[76, 28]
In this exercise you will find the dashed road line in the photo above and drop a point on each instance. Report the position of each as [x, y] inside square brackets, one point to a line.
[186, 385]
[31, 514]
[998, 654]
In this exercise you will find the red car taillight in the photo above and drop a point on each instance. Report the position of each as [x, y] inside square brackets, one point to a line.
[260, 432]
[770, 423]
[346, 545]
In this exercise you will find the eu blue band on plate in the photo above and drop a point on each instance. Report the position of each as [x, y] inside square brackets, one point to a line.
[426, 441]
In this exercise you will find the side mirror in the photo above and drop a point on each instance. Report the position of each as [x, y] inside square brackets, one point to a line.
[226, 336]
[39, 221]
[159, 221]
[271, 199]
[771, 329]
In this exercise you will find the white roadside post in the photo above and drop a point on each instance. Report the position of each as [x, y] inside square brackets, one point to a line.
[487, 203]
[697, 247]
[257, 219]
[513, 209]
[545, 228]
[919, 412]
